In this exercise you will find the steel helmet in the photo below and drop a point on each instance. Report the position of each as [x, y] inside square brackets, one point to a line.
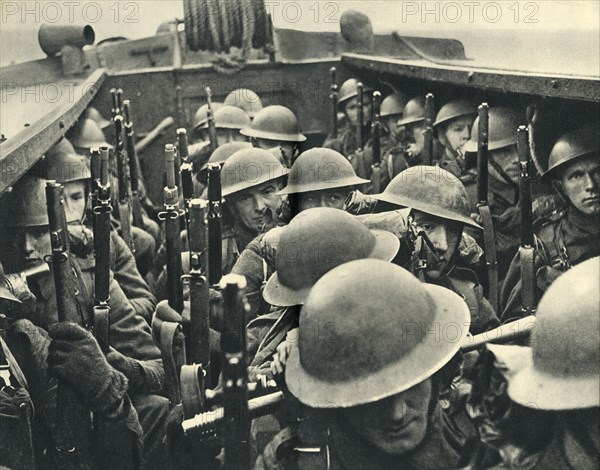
[571, 146]
[414, 111]
[275, 123]
[65, 168]
[562, 370]
[392, 105]
[230, 117]
[63, 146]
[316, 241]
[432, 190]
[245, 99]
[318, 169]
[249, 167]
[27, 203]
[503, 124]
[222, 153]
[348, 91]
[87, 135]
[377, 341]
[201, 116]
[5, 292]
[94, 115]
[453, 110]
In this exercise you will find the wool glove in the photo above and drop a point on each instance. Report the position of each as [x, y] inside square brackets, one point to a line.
[75, 357]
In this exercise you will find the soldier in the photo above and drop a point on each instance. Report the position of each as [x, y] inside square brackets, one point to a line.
[503, 167]
[27, 374]
[87, 136]
[440, 212]
[250, 180]
[413, 125]
[347, 142]
[553, 419]
[244, 99]
[392, 149]
[229, 120]
[72, 172]
[276, 127]
[316, 241]
[200, 129]
[319, 178]
[571, 235]
[370, 374]
[453, 125]
[133, 352]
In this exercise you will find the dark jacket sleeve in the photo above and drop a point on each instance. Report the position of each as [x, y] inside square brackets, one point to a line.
[130, 334]
[127, 275]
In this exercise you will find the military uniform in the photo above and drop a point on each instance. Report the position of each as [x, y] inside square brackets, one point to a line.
[562, 241]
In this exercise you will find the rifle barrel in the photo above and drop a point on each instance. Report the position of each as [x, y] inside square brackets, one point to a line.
[215, 217]
[482, 154]
[334, 103]
[521, 328]
[428, 132]
[361, 116]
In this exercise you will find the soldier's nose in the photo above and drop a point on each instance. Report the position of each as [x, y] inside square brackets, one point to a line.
[397, 408]
[439, 239]
[28, 244]
[259, 204]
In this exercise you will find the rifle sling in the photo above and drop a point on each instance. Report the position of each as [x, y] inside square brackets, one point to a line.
[192, 395]
[172, 348]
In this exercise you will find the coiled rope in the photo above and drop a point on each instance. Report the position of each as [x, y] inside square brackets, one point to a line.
[219, 25]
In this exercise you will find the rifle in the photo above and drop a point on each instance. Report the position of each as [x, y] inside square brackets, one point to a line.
[134, 167]
[360, 117]
[115, 110]
[172, 228]
[215, 217]
[212, 128]
[95, 178]
[73, 423]
[102, 211]
[489, 238]
[334, 103]
[521, 328]
[124, 203]
[186, 174]
[376, 143]
[526, 250]
[119, 96]
[235, 375]
[428, 132]
[154, 134]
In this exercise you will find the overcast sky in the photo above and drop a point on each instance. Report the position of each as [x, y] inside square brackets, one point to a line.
[542, 18]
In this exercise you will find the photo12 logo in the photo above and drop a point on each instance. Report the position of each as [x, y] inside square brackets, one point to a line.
[469, 12]
[69, 12]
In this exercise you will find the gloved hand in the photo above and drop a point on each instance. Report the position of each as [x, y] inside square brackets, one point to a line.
[128, 366]
[75, 357]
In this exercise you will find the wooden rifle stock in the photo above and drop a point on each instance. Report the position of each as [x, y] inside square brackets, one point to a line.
[334, 103]
[518, 329]
[124, 202]
[186, 170]
[173, 239]
[360, 118]
[428, 132]
[236, 437]
[526, 250]
[212, 128]
[95, 181]
[376, 143]
[73, 424]
[489, 237]
[154, 134]
[102, 211]
[215, 217]
[115, 103]
[134, 167]
[119, 97]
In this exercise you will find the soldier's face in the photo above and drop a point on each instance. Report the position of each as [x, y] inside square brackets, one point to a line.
[508, 159]
[457, 132]
[580, 182]
[28, 246]
[256, 208]
[286, 149]
[224, 136]
[351, 110]
[391, 124]
[333, 198]
[75, 200]
[395, 425]
[444, 235]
